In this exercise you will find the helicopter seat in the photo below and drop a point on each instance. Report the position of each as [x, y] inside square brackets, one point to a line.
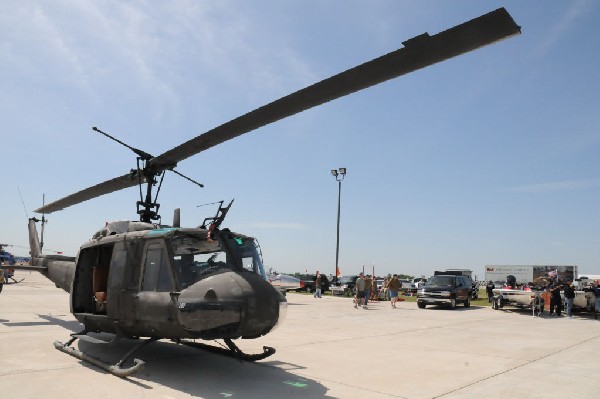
[99, 284]
[100, 296]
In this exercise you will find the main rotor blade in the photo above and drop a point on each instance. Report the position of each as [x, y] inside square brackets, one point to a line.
[109, 186]
[419, 52]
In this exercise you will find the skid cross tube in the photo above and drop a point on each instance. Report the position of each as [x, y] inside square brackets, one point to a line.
[115, 369]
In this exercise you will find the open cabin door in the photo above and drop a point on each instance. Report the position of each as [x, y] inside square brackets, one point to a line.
[89, 293]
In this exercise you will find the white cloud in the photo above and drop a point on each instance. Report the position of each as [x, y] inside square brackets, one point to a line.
[568, 185]
[576, 10]
[158, 56]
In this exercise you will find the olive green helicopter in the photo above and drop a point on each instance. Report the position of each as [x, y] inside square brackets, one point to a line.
[148, 281]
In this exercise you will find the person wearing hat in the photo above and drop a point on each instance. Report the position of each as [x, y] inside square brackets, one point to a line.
[318, 285]
[596, 291]
[569, 297]
[555, 298]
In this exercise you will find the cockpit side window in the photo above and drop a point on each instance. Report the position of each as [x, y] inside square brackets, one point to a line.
[251, 262]
[250, 255]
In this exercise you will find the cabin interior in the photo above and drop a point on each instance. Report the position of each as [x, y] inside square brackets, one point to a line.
[91, 279]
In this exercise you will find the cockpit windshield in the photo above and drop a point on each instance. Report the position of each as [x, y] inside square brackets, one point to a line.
[440, 281]
[195, 257]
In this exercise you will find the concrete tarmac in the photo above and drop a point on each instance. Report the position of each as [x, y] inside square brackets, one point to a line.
[325, 349]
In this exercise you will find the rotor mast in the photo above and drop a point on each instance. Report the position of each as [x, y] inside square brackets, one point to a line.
[146, 173]
[148, 209]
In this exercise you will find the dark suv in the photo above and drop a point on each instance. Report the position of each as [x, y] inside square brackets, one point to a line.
[445, 290]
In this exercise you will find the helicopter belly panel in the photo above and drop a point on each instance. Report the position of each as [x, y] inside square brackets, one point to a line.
[95, 322]
[208, 318]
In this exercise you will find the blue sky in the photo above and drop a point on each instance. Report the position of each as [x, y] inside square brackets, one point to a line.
[488, 158]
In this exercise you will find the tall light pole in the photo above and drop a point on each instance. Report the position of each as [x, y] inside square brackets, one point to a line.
[339, 176]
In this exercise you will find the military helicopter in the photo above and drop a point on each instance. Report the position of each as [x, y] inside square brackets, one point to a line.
[139, 279]
[9, 261]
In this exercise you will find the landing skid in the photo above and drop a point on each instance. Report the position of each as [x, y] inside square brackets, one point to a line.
[232, 350]
[117, 369]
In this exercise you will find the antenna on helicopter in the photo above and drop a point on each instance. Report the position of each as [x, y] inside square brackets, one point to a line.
[44, 220]
[210, 203]
[23, 202]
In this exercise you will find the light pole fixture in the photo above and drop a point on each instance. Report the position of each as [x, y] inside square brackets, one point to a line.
[339, 176]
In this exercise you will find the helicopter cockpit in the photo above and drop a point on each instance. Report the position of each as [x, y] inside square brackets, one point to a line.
[195, 257]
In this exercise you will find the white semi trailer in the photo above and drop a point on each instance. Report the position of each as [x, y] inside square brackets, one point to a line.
[529, 273]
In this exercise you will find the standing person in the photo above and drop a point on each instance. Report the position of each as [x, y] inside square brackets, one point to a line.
[318, 286]
[393, 287]
[360, 292]
[596, 291]
[368, 286]
[569, 297]
[489, 288]
[384, 288]
[374, 293]
[555, 299]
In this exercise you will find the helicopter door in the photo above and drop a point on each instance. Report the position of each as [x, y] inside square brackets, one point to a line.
[155, 309]
[116, 308]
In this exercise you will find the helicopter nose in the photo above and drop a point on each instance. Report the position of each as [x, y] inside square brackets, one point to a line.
[231, 305]
[266, 308]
